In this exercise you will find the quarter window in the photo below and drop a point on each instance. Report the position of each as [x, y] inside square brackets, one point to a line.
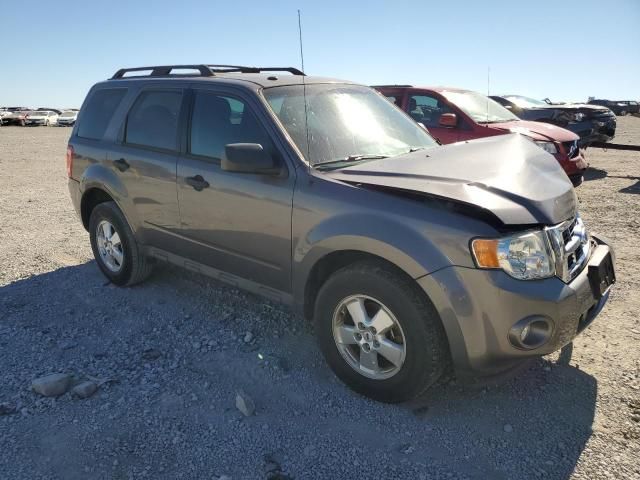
[219, 120]
[153, 120]
[98, 111]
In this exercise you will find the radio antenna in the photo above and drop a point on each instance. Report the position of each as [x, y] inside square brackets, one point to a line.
[304, 92]
[488, 89]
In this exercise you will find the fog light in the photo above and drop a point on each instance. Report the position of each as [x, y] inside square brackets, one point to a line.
[531, 332]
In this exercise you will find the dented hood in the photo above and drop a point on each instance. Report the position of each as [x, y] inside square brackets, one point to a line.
[508, 175]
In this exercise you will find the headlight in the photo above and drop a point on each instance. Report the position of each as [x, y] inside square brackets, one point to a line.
[525, 256]
[549, 147]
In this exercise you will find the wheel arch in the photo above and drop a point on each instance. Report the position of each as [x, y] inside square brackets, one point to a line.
[90, 199]
[326, 266]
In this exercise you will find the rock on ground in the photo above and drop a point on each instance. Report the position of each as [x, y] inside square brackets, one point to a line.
[85, 389]
[52, 385]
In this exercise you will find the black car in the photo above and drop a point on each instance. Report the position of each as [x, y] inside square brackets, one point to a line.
[592, 123]
[619, 107]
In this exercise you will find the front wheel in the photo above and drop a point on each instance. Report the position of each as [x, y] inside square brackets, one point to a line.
[379, 334]
[114, 246]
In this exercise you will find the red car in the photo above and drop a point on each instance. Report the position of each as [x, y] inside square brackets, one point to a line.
[453, 115]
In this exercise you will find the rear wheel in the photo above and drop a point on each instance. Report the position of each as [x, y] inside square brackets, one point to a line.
[380, 335]
[114, 246]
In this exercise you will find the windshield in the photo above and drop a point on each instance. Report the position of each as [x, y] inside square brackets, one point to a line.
[68, 114]
[37, 114]
[345, 122]
[480, 107]
[525, 102]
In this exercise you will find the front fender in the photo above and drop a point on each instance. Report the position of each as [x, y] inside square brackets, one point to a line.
[380, 235]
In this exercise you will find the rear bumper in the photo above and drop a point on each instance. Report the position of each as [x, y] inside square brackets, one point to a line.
[479, 307]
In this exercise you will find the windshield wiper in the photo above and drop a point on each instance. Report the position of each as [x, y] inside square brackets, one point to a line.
[347, 160]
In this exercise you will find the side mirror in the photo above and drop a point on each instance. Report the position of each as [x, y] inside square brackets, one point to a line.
[248, 158]
[448, 120]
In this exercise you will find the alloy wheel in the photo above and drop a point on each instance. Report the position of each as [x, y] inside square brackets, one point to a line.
[109, 246]
[369, 337]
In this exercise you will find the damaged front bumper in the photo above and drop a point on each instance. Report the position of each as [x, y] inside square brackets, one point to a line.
[481, 308]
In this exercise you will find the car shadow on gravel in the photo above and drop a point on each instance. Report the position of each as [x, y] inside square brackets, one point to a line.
[593, 173]
[539, 421]
[156, 340]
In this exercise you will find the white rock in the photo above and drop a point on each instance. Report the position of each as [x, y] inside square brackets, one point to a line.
[52, 385]
[244, 403]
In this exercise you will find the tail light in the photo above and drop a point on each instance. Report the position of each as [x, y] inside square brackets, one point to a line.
[69, 160]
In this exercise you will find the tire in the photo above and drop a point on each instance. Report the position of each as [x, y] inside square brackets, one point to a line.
[127, 265]
[420, 333]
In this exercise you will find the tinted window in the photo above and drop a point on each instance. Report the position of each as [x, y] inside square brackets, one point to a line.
[153, 119]
[427, 109]
[98, 112]
[217, 121]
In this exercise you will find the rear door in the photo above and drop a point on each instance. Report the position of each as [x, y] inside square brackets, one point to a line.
[145, 162]
[426, 108]
[238, 223]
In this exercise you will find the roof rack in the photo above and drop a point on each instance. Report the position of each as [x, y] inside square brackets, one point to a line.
[242, 69]
[164, 70]
[205, 70]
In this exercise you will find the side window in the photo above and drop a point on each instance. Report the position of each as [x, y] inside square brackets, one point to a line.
[427, 109]
[219, 120]
[153, 119]
[97, 113]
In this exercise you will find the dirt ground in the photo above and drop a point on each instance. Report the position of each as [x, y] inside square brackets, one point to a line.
[173, 352]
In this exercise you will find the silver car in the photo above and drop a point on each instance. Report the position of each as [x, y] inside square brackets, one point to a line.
[408, 256]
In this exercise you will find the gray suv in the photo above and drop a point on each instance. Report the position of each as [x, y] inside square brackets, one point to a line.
[410, 257]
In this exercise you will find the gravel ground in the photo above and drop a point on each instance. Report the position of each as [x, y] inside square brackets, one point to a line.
[170, 355]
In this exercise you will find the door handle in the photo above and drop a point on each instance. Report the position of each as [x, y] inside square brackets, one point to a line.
[121, 164]
[198, 183]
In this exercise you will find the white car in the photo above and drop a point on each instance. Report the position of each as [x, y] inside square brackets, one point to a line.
[67, 118]
[41, 117]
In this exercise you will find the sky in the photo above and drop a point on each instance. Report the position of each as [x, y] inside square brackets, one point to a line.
[53, 52]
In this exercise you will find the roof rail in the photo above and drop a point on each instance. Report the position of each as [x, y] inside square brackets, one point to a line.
[243, 69]
[164, 70]
[390, 86]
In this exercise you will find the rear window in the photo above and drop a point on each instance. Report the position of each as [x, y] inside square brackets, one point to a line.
[153, 119]
[97, 114]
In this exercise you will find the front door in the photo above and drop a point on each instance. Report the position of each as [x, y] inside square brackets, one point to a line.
[238, 223]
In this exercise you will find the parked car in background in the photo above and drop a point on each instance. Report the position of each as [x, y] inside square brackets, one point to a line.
[453, 115]
[48, 109]
[41, 117]
[592, 123]
[67, 118]
[15, 117]
[619, 107]
[409, 256]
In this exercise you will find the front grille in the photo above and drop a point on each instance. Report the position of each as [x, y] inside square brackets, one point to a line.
[571, 148]
[571, 247]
